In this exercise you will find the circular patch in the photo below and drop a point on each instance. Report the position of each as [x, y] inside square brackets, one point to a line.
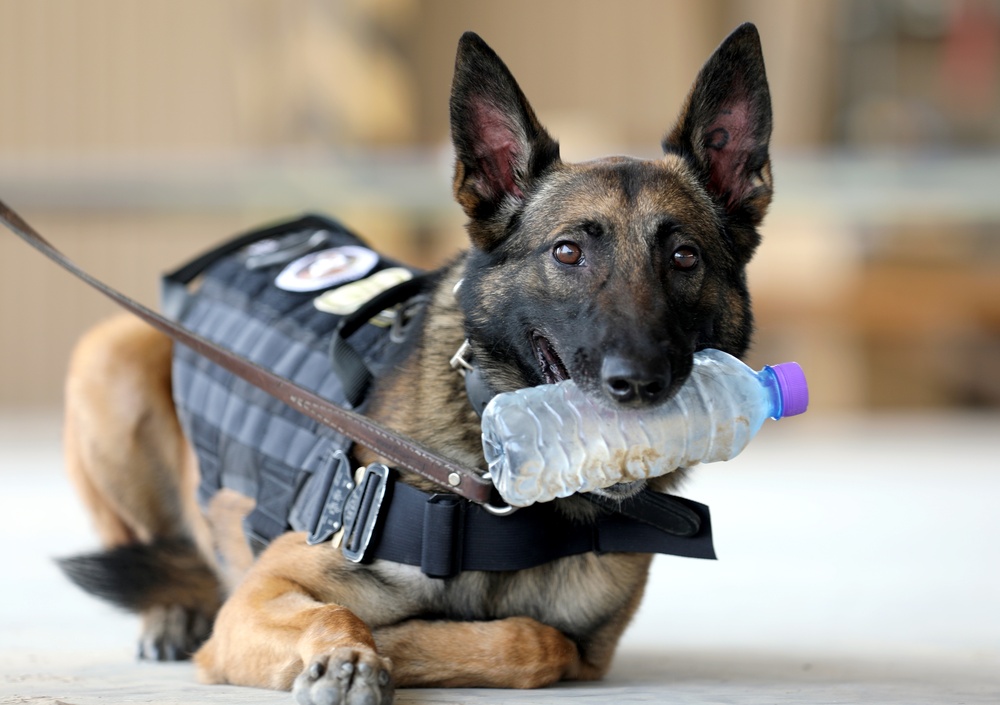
[326, 268]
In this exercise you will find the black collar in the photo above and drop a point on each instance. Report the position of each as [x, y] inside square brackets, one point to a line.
[478, 390]
[380, 518]
[445, 534]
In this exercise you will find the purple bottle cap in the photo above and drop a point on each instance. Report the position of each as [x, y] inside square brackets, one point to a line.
[793, 388]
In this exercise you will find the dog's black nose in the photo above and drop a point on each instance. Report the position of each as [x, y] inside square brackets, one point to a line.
[631, 382]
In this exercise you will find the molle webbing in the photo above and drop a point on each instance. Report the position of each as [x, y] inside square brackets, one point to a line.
[245, 439]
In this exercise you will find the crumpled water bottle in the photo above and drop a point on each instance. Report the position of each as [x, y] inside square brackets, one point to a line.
[553, 440]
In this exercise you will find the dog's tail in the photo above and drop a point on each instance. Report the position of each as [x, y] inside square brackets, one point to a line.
[139, 576]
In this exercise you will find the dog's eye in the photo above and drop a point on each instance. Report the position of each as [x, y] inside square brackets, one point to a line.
[685, 259]
[567, 252]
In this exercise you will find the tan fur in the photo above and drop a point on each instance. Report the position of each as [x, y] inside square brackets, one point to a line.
[120, 423]
[225, 514]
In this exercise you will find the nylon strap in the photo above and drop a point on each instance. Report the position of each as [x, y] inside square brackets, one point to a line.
[445, 536]
[401, 451]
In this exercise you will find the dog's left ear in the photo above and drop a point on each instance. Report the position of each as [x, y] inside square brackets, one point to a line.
[500, 147]
[726, 126]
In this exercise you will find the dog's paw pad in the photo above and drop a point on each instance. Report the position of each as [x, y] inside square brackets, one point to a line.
[345, 677]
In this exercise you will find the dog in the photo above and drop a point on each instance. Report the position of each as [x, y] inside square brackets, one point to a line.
[612, 273]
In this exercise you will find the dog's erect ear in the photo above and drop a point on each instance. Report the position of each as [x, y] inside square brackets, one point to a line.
[500, 147]
[726, 125]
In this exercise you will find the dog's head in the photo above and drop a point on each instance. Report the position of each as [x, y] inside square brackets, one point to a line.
[612, 272]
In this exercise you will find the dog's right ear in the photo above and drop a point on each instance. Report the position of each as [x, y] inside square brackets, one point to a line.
[726, 126]
[500, 147]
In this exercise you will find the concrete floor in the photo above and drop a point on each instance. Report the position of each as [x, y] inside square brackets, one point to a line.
[859, 562]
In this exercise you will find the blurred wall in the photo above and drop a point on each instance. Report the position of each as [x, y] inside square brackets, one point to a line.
[136, 134]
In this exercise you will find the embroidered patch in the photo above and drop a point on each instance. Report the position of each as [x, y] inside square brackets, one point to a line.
[326, 268]
[349, 298]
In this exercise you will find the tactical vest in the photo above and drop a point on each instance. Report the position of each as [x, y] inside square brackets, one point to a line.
[260, 296]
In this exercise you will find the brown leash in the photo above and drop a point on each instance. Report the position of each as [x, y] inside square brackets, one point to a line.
[403, 452]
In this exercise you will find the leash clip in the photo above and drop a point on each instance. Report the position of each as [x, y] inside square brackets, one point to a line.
[361, 511]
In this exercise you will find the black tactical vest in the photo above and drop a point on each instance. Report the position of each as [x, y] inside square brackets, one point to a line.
[281, 297]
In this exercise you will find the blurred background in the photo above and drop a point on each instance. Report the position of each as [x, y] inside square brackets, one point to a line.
[137, 134]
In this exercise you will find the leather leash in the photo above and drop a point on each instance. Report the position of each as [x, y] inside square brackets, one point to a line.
[403, 452]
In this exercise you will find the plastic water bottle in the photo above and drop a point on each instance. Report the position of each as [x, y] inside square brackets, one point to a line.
[553, 440]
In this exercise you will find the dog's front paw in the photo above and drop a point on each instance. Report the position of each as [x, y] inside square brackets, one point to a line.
[347, 676]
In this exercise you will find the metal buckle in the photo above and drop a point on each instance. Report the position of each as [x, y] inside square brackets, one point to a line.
[361, 511]
[406, 313]
[459, 361]
[338, 483]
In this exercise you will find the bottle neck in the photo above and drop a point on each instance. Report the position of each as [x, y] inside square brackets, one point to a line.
[772, 387]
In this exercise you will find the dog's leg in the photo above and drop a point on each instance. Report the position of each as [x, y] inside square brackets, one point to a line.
[117, 434]
[285, 627]
[517, 652]
[136, 474]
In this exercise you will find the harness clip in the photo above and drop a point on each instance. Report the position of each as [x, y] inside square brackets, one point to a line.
[459, 361]
[361, 511]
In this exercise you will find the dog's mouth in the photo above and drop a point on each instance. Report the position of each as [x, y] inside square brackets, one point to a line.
[550, 364]
[554, 370]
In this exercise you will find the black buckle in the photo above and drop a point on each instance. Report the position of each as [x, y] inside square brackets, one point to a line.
[337, 483]
[361, 511]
